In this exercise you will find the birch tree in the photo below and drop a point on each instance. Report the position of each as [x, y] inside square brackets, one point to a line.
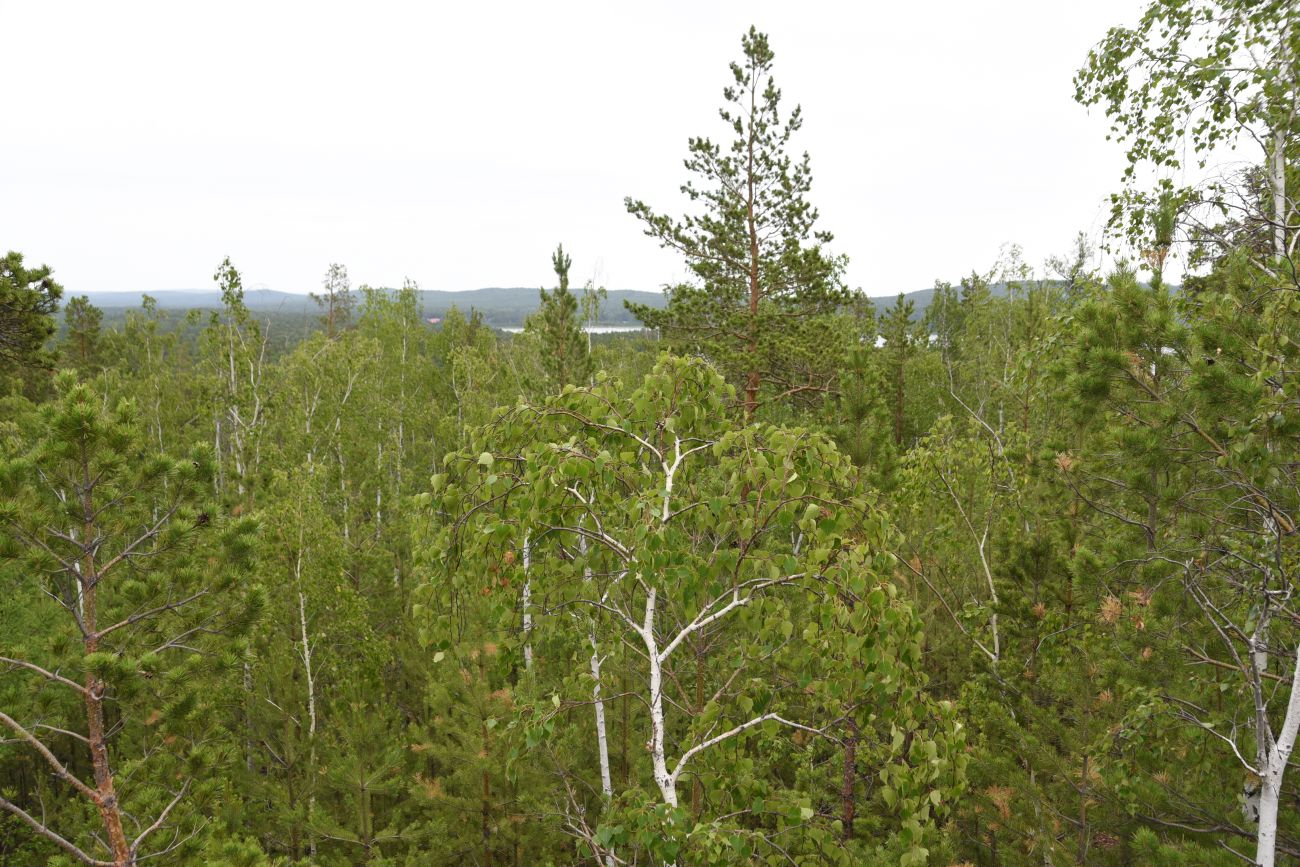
[235, 347]
[1192, 80]
[669, 527]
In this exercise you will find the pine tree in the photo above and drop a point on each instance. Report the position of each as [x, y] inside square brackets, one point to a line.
[80, 346]
[899, 333]
[28, 299]
[765, 283]
[565, 353]
[1195, 412]
[146, 577]
[336, 300]
[861, 418]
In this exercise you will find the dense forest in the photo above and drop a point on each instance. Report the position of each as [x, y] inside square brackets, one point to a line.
[784, 578]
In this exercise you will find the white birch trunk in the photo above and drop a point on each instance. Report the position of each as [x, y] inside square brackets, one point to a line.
[1277, 184]
[1271, 771]
[528, 608]
[666, 782]
[602, 738]
[216, 448]
[379, 482]
[311, 708]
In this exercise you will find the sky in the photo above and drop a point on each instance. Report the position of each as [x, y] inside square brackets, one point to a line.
[457, 144]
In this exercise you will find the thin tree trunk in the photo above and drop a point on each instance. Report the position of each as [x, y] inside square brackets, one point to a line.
[1277, 185]
[752, 381]
[487, 779]
[1271, 771]
[848, 786]
[528, 607]
[311, 697]
[602, 736]
[898, 399]
[663, 779]
[1083, 813]
[109, 810]
[697, 787]
[625, 751]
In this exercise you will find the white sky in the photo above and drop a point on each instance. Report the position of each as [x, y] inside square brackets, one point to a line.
[457, 143]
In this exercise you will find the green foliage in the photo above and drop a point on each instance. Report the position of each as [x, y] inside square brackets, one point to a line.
[565, 355]
[336, 300]
[137, 580]
[80, 346]
[1189, 80]
[1009, 582]
[766, 287]
[28, 299]
[658, 524]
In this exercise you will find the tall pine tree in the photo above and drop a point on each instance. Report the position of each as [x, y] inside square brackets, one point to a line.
[565, 356]
[765, 283]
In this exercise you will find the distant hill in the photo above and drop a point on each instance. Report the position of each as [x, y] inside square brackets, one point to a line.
[501, 307]
[921, 299]
[508, 307]
[262, 300]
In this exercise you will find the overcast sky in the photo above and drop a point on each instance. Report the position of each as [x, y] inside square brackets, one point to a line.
[455, 144]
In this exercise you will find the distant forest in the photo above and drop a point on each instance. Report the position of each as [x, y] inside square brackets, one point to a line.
[499, 307]
[1000, 573]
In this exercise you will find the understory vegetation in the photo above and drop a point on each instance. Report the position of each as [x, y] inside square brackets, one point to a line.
[787, 578]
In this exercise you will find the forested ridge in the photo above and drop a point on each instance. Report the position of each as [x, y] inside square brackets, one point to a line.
[500, 307]
[788, 577]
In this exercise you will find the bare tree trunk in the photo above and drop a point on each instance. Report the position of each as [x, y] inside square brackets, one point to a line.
[487, 779]
[697, 786]
[1083, 812]
[898, 399]
[379, 482]
[602, 736]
